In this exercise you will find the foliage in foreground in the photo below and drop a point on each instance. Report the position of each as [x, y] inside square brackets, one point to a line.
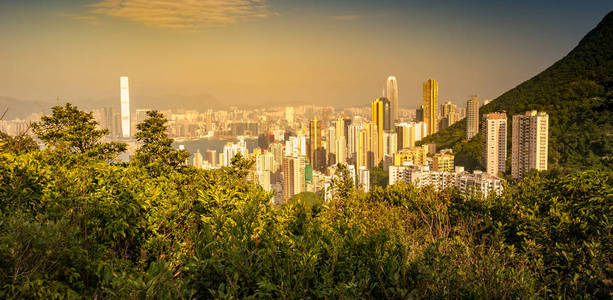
[74, 225]
[86, 228]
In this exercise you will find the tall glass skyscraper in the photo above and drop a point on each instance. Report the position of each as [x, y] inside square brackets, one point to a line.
[392, 94]
[431, 105]
[125, 106]
[381, 116]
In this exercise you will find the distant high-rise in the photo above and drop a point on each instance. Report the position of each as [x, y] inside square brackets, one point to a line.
[472, 117]
[141, 115]
[530, 143]
[381, 116]
[317, 156]
[125, 106]
[107, 120]
[211, 157]
[419, 114]
[293, 176]
[449, 115]
[289, 114]
[431, 105]
[198, 160]
[392, 95]
[494, 142]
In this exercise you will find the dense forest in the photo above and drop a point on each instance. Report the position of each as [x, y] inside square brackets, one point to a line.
[76, 223]
[576, 92]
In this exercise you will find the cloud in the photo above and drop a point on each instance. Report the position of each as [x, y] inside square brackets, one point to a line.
[183, 15]
[93, 20]
[347, 17]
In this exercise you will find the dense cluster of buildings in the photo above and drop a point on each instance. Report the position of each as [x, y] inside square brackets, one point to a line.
[299, 147]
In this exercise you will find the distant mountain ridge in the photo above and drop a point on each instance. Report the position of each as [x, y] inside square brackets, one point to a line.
[576, 92]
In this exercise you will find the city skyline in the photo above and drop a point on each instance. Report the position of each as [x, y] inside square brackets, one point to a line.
[94, 42]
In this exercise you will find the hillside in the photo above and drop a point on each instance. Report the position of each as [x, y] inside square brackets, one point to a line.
[576, 92]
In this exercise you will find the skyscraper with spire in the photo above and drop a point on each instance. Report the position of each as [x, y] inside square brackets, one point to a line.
[431, 105]
[392, 96]
[125, 106]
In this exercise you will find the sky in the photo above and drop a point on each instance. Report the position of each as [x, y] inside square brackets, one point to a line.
[269, 52]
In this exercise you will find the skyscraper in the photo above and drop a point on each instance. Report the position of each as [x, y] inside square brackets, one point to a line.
[381, 116]
[392, 95]
[494, 142]
[472, 117]
[125, 106]
[317, 156]
[530, 143]
[431, 105]
[448, 115]
[419, 114]
[293, 176]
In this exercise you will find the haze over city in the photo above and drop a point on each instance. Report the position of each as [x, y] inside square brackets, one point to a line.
[259, 53]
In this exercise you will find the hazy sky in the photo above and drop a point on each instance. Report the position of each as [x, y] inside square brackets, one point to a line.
[277, 51]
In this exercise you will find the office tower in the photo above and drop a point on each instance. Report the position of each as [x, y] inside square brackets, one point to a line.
[198, 159]
[381, 117]
[529, 143]
[211, 157]
[494, 142]
[472, 117]
[448, 115]
[431, 106]
[293, 176]
[317, 155]
[125, 106]
[419, 114]
[392, 96]
[289, 115]
[443, 162]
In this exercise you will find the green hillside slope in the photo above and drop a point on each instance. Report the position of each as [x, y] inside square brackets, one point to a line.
[576, 92]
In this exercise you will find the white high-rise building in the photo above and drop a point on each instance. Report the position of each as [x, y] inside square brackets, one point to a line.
[125, 106]
[530, 143]
[494, 142]
[392, 96]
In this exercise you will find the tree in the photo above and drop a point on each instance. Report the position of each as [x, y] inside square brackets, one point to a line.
[76, 131]
[19, 144]
[156, 153]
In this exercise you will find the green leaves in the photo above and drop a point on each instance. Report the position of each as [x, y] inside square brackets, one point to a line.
[70, 129]
[156, 153]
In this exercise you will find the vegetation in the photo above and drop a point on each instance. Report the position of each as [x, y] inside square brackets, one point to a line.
[307, 199]
[76, 225]
[576, 92]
